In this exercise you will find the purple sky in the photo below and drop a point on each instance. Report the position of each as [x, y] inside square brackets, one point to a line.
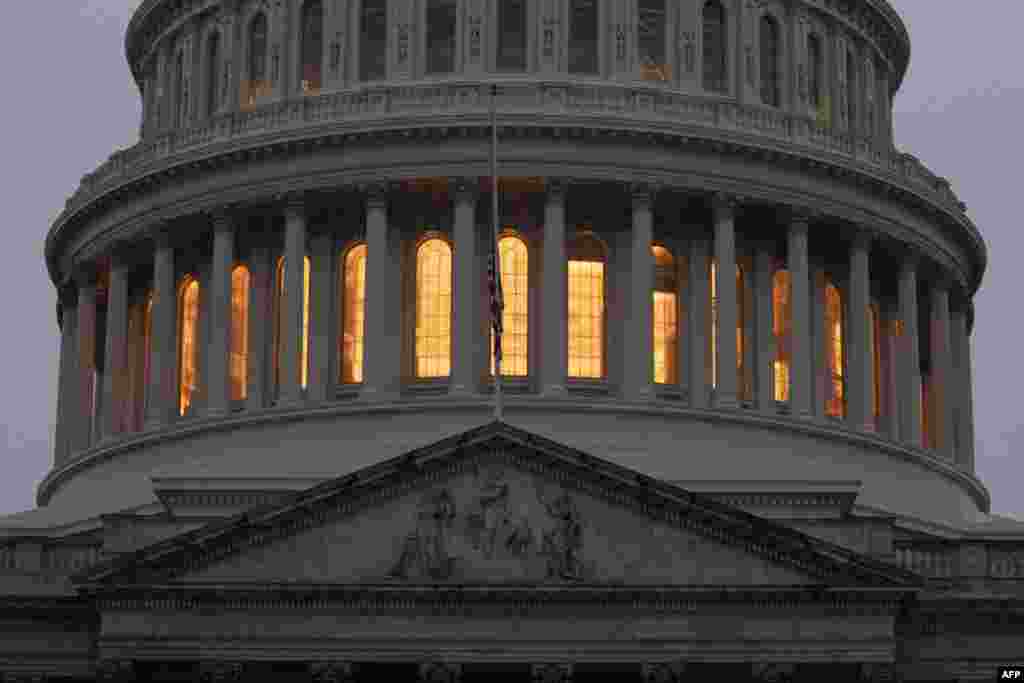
[959, 111]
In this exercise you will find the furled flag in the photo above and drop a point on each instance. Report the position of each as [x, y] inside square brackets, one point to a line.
[497, 302]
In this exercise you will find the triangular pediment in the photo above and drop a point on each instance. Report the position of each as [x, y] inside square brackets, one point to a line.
[497, 505]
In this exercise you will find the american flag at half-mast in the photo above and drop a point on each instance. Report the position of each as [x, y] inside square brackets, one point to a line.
[497, 302]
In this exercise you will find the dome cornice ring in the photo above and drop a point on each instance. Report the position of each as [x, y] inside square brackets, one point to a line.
[813, 428]
[220, 154]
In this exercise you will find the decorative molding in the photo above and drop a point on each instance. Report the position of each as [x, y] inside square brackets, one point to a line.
[663, 672]
[141, 168]
[440, 672]
[551, 673]
[332, 672]
[115, 671]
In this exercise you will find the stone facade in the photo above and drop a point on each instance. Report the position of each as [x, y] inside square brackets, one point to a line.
[251, 511]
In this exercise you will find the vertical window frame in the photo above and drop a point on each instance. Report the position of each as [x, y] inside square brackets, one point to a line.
[419, 315]
[582, 234]
[351, 365]
[715, 52]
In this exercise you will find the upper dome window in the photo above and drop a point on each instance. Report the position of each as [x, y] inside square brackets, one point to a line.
[651, 41]
[311, 46]
[256, 85]
[511, 54]
[583, 37]
[441, 23]
[771, 55]
[373, 32]
[715, 47]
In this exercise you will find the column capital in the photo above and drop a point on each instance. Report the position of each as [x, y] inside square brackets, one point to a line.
[292, 201]
[551, 673]
[85, 274]
[799, 215]
[910, 259]
[331, 672]
[861, 238]
[643, 194]
[221, 672]
[221, 217]
[876, 673]
[663, 672]
[440, 672]
[774, 673]
[555, 189]
[115, 670]
[160, 232]
[726, 201]
[375, 194]
[464, 189]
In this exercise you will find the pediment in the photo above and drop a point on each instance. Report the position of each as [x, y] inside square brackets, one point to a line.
[497, 505]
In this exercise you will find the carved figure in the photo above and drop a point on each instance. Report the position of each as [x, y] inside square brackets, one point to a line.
[562, 545]
[425, 551]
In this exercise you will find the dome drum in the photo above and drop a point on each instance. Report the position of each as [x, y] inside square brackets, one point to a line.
[390, 313]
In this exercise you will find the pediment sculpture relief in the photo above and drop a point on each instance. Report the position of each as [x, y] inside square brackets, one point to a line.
[500, 523]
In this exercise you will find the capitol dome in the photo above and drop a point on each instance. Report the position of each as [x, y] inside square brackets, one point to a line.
[718, 275]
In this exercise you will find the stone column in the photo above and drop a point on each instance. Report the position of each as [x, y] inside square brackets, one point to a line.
[161, 402]
[860, 409]
[638, 361]
[554, 305]
[908, 360]
[86, 332]
[800, 301]
[321, 284]
[821, 385]
[115, 355]
[383, 323]
[699, 319]
[261, 283]
[217, 377]
[290, 392]
[890, 375]
[963, 391]
[724, 211]
[943, 381]
[66, 405]
[764, 345]
[466, 328]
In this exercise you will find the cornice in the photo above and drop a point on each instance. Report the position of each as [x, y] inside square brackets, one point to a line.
[455, 600]
[226, 140]
[818, 429]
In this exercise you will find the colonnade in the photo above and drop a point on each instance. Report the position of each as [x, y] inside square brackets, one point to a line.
[882, 373]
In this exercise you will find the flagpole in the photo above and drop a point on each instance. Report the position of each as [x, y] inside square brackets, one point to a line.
[495, 255]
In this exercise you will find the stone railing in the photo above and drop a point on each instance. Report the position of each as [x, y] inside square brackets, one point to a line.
[518, 103]
[930, 562]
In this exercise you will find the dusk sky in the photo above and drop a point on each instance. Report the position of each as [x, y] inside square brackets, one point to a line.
[71, 101]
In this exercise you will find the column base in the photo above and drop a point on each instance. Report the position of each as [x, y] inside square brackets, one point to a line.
[554, 391]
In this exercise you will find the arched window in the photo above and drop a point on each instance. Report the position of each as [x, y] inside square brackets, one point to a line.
[256, 84]
[740, 310]
[835, 401]
[771, 55]
[311, 46]
[239, 358]
[279, 294]
[188, 342]
[665, 318]
[213, 73]
[586, 306]
[511, 54]
[433, 308]
[715, 47]
[869, 96]
[876, 360]
[179, 88]
[441, 25]
[353, 314]
[515, 290]
[814, 70]
[782, 320]
[851, 91]
[373, 39]
[583, 37]
[651, 41]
